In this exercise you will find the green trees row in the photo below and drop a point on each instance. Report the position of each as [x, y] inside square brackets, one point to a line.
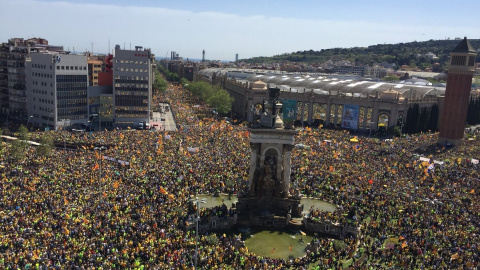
[19, 147]
[214, 96]
[421, 120]
[473, 113]
[425, 119]
[410, 54]
[160, 84]
[170, 76]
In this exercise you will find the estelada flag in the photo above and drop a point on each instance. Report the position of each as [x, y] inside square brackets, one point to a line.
[163, 191]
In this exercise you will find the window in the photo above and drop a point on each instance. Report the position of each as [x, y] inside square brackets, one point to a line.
[459, 60]
[471, 61]
[68, 67]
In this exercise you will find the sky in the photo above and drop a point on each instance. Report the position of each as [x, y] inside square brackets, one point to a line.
[248, 28]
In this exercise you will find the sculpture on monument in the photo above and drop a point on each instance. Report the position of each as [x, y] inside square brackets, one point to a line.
[268, 191]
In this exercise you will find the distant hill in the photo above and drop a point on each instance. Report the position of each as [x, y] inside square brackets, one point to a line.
[410, 54]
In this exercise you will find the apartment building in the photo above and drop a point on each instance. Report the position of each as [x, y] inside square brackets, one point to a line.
[57, 85]
[13, 99]
[132, 86]
[95, 66]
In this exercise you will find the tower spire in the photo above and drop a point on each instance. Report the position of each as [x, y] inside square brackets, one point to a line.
[455, 102]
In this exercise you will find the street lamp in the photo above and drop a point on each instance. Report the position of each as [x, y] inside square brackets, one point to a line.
[197, 202]
[100, 166]
[64, 135]
[28, 121]
[372, 124]
[48, 123]
[93, 120]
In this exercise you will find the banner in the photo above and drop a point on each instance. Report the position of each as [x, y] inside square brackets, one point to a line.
[350, 116]
[122, 162]
[289, 110]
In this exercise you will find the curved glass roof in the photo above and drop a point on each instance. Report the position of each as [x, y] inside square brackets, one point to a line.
[325, 84]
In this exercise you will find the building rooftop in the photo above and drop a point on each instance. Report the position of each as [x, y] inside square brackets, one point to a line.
[321, 84]
[464, 47]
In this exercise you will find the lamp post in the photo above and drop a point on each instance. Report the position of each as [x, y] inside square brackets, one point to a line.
[28, 121]
[93, 120]
[100, 166]
[371, 126]
[48, 122]
[400, 120]
[197, 202]
[64, 135]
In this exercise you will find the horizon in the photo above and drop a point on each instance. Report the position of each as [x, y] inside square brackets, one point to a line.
[223, 29]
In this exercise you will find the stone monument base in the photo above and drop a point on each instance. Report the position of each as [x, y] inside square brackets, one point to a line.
[267, 212]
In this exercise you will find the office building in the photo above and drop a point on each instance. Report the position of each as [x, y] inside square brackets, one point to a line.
[57, 85]
[132, 87]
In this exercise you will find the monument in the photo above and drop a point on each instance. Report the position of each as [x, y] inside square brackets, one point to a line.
[269, 198]
[457, 94]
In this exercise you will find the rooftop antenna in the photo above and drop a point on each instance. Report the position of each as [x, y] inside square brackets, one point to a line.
[108, 45]
[92, 47]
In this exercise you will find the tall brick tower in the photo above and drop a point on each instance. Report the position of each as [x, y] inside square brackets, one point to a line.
[457, 94]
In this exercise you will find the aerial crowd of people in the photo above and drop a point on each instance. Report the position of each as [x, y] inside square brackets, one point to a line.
[121, 207]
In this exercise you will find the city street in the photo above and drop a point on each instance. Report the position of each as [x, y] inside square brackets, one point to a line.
[163, 120]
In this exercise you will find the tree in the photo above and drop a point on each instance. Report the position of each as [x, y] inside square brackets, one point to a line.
[390, 78]
[159, 85]
[433, 118]
[203, 90]
[221, 100]
[46, 145]
[413, 113]
[214, 96]
[23, 133]
[184, 81]
[20, 145]
[422, 124]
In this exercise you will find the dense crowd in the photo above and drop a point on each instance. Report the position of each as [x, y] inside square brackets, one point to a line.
[74, 210]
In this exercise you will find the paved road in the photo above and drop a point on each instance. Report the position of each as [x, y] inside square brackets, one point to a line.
[164, 120]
